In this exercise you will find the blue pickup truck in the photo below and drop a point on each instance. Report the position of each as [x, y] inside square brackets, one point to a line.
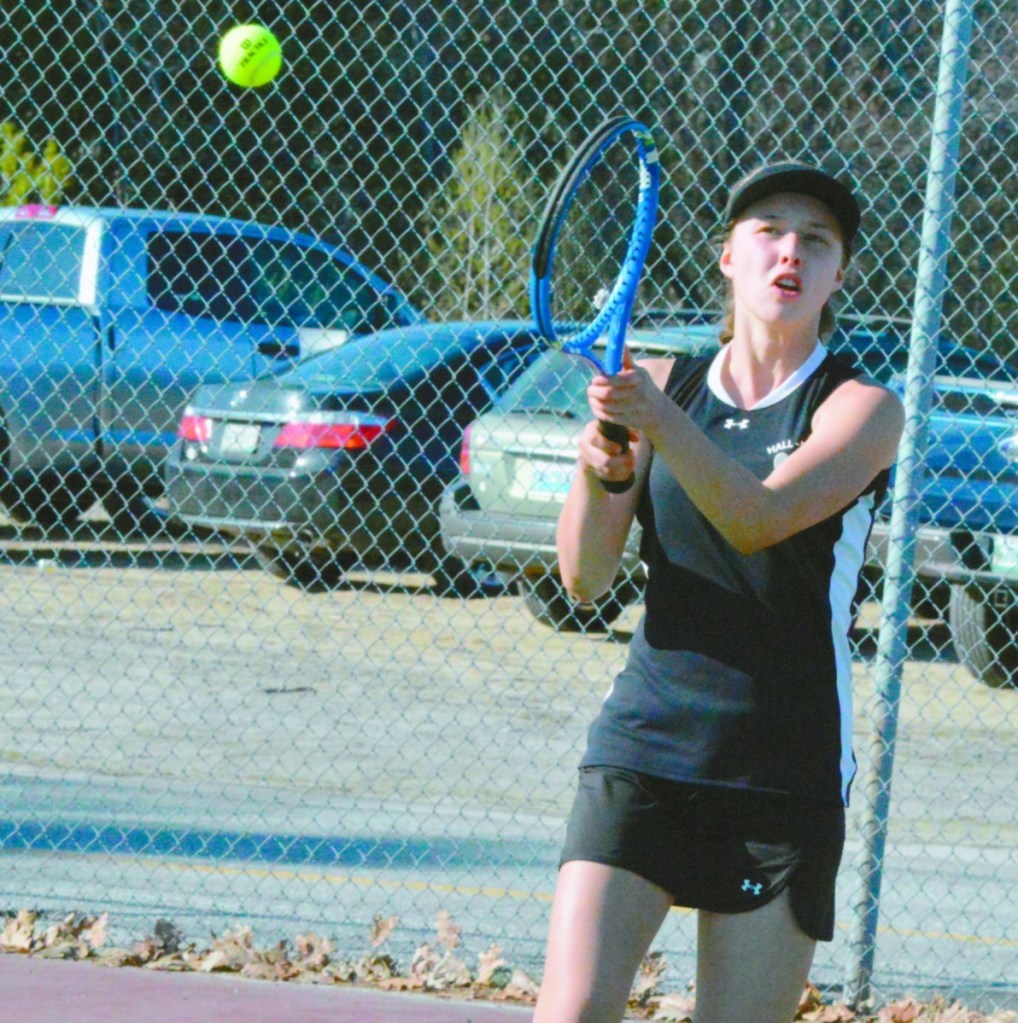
[110, 318]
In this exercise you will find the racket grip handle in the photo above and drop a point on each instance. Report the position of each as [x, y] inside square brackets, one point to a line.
[620, 435]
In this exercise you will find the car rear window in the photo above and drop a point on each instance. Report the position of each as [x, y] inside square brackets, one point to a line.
[553, 383]
[41, 261]
[379, 360]
[556, 383]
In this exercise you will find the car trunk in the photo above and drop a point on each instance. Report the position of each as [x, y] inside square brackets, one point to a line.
[522, 464]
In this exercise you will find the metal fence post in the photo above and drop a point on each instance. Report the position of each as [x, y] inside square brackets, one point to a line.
[892, 641]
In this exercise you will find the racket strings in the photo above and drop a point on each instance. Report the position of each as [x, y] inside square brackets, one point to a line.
[594, 237]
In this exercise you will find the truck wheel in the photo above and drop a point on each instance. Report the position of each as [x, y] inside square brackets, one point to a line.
[311, 569]
[47, 499]
[546, 599]
[983, 625]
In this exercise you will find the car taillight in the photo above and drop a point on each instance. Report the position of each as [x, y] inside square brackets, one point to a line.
[465, 451]
[346, 434]
[195, 428]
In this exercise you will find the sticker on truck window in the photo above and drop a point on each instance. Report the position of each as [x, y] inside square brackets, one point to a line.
[35, 211]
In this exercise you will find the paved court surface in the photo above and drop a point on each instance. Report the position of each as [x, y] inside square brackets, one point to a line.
[47, 991]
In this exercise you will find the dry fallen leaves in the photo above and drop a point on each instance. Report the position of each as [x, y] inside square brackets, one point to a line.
[229, 953]
[448, 931]
[375, 967]
[424, 960]
[168, 937]
[19, 932]
[520, 987]
[71, 937]
[902, 1011]
[673, 1008]
[449, 972]
[312, 952]
[382, 928]
[648, 978]
[492, 967]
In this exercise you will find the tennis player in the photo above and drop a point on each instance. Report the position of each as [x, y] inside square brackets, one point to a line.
[717, 772]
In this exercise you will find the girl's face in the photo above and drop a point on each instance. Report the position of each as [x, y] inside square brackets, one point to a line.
[785, 258]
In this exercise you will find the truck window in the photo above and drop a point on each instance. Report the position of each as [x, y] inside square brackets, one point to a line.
[309, 288]
[255, 280]
[199, 274]
[41, 261]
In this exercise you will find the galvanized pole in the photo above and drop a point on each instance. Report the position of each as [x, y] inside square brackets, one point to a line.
[892, 641]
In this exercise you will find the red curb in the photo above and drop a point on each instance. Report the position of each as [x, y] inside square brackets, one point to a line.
[50, 991]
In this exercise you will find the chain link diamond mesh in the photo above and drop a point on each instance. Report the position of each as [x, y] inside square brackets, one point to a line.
[282, 646]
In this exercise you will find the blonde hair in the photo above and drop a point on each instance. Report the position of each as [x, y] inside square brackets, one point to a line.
[827, 314]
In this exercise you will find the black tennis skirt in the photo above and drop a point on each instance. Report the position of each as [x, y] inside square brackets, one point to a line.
[713, 848]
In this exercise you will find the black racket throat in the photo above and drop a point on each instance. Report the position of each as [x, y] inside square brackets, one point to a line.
[564, 187]
[619, 435]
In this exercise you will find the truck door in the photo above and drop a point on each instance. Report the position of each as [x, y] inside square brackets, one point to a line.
[183, 324]
[49, 358]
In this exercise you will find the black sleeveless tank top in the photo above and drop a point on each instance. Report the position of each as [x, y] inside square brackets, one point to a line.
[739, 673]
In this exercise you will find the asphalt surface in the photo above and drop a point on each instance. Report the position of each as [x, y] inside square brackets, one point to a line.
[47, 991]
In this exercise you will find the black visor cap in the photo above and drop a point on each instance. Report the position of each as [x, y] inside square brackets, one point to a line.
[800, 179]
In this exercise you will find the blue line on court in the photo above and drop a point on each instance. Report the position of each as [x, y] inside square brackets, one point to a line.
[296, 850]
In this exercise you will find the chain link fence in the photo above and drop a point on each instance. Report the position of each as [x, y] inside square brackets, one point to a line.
[282, 648]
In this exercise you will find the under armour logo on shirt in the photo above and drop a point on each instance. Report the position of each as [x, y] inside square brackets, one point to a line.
[736, 424]
[748, 886]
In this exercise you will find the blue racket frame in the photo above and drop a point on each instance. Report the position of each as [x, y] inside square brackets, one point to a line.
[613, 316]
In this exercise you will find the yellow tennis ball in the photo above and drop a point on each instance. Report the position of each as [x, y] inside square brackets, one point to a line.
[250, 55]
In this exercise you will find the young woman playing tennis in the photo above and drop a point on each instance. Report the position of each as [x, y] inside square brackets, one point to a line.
[717, 772]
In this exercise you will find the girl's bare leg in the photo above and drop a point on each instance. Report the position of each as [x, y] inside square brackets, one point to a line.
[602, 923]
[751, 966]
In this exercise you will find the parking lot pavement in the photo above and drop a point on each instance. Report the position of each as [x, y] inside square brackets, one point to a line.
[47, 991]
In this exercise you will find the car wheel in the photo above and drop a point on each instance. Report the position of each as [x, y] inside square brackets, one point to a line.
[130, 510]
[455, 578]
[311, 569]
[983, 625]
[547, 600]
[47, 499]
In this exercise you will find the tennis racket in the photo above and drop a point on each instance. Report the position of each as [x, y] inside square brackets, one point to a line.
[591, 246]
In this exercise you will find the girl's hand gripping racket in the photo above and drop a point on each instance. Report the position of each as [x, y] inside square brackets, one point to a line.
[591, 247]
